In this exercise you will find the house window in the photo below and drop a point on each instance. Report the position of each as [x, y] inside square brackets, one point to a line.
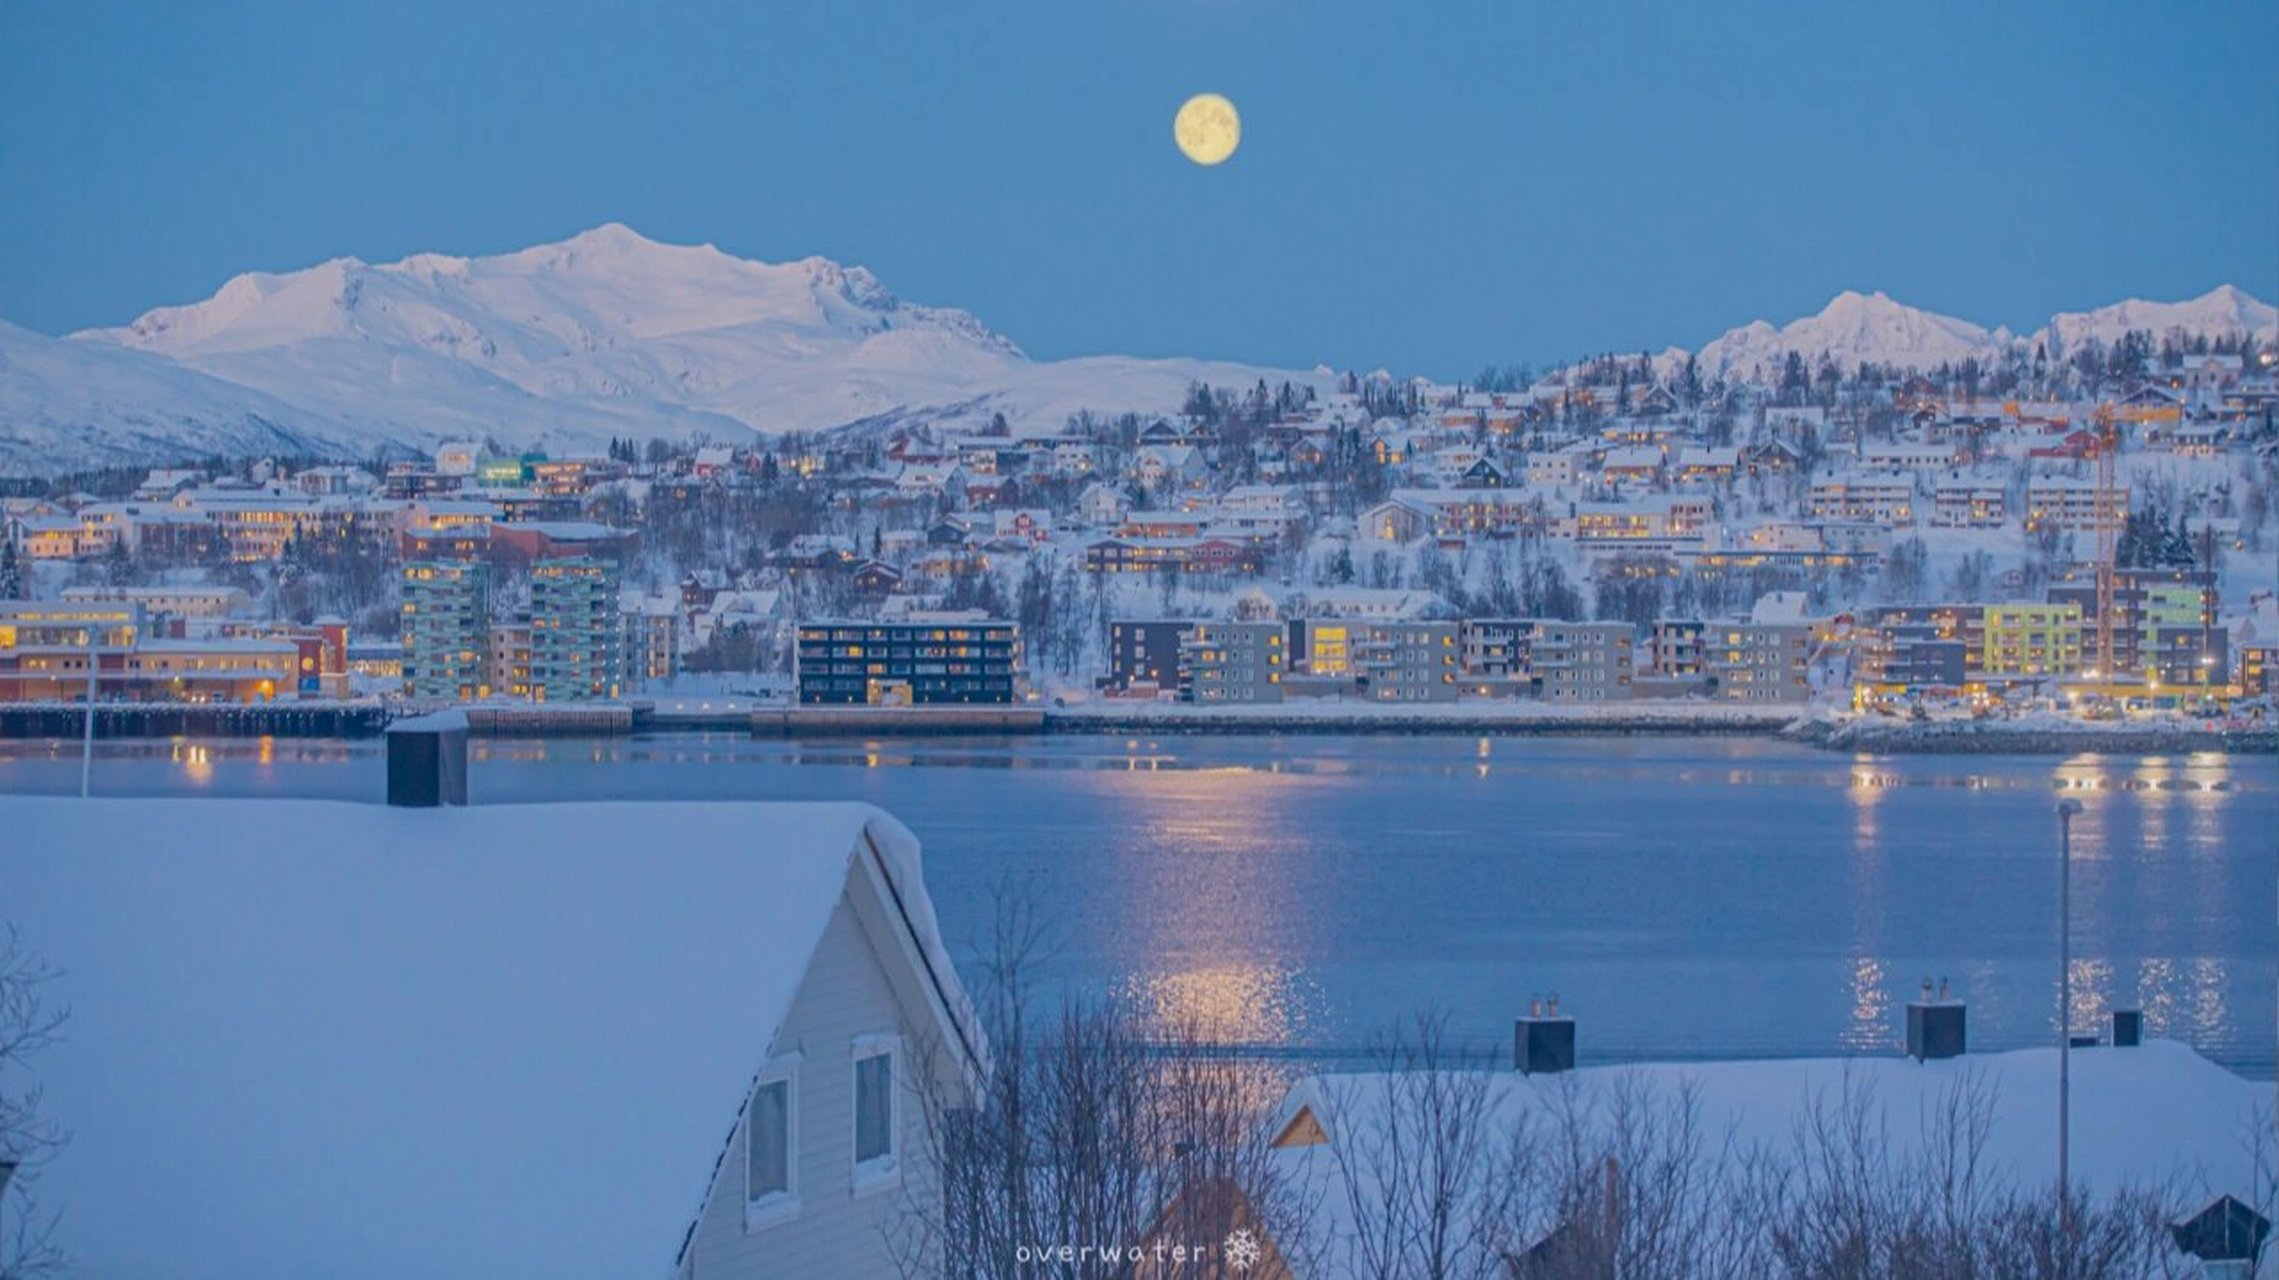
[875, 1136]
[770, 1147]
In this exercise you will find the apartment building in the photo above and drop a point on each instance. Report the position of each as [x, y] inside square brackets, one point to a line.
[1231, 662]
[920, 661]
[1969, 504]
[2069, 506]
[1888, 500]
[2029, 641]
[1750, 661]
[576, 636]
[46, 651]
[446, 629]
[1144, 656]
[1406, 661]
[1584, 661]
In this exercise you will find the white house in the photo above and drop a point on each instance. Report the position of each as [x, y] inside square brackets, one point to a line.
[861, 1024]
[563, 1040]
[1102, 505]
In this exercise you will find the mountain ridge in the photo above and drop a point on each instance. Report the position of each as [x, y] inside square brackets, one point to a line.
[610, 334]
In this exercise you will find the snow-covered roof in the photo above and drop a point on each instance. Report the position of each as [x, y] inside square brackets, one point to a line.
[492, 1041]
[2144, 1115]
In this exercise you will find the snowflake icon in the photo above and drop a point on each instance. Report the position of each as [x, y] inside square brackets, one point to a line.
[1242, 1250]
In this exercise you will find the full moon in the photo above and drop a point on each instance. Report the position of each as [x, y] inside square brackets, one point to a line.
[1207, 130]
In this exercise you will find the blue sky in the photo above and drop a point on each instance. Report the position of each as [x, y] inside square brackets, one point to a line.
[1427, 187]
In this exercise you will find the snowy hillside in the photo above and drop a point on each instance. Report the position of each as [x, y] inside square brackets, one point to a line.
[2226, 310]
[611, 334]
[64, 403]
[1852, 329]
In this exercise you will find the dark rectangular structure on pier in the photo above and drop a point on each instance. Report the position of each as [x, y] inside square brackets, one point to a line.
[1543, 1046]
[1935, 1029]
[427, 760]
[2128, 1028]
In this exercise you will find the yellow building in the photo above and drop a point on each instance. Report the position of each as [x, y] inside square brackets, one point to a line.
[2032, 640]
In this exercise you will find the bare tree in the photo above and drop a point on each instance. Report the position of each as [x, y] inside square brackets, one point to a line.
[29, 1138]
[1423, 1169]
[1100, 1145]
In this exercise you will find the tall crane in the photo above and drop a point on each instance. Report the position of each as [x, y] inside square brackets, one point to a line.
[2106, 447]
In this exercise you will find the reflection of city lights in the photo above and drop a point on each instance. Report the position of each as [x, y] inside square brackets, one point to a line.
[1870, 1024]
[197, 765]
[1247, 1004]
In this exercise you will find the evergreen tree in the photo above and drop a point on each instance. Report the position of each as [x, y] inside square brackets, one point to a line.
[11, 572]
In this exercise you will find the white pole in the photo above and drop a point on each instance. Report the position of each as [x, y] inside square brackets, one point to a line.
[2065, 811]
[87, 743]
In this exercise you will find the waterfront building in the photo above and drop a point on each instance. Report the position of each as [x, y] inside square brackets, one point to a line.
[446, 625]
[1406, 661]
[1584, 661]
[922, 660]
[2032, 640]
[1231, 662]
[575, 635]
[1752, 661]
[506, 670]
[46, 651]
[1144, 657]
[652, 640]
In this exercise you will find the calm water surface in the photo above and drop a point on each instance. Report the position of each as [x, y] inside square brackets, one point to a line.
[1684, 897]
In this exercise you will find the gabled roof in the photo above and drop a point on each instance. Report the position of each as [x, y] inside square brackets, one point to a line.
[497, 1040]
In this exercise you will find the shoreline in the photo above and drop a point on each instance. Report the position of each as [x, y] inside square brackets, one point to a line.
[355, 720]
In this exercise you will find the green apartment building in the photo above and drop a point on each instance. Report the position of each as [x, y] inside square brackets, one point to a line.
[446, 629]
[576, 636]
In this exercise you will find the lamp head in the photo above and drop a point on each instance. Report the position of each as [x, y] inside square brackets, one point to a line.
[2068, 807]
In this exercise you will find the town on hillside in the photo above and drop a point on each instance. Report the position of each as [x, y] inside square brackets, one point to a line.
[2086, 533]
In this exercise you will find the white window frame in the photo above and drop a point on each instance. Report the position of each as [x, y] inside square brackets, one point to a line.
[775, 1206]
[885, 1171]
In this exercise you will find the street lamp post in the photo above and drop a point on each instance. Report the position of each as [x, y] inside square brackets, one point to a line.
[87, 742]
[2065, 811]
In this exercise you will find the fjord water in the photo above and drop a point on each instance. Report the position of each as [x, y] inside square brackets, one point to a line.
[1682, 897]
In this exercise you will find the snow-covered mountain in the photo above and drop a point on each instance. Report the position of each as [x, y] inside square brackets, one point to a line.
[66, 403]
[610, 334]
[1873, 328]
[562, 347]
[1853, 328]
[2224, 310]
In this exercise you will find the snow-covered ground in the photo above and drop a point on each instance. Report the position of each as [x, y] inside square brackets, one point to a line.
[2157, 1117]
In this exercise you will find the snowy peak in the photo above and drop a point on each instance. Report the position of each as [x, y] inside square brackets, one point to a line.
[564, 346]
[1853, 327]
[2224, 311]
[602, 287]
